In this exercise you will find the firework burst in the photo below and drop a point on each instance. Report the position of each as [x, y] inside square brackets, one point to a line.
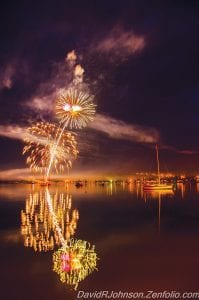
[75, 108]
[75, 261]
[40, 147]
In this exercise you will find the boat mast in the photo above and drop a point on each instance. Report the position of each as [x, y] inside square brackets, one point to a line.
[158, 162]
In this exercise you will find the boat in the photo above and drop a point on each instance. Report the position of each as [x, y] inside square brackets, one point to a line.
[78, 184]
[157, 185]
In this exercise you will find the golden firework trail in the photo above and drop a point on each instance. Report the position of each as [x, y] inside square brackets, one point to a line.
[75, 109]
[54, 150]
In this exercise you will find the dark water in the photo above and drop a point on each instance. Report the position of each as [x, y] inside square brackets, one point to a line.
[143, 241]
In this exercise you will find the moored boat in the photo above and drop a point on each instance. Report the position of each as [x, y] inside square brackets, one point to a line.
[157, 185]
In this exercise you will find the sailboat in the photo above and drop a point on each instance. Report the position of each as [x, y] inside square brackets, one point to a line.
[157, 185]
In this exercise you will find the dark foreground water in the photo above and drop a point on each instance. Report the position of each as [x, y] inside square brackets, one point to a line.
[143, 241]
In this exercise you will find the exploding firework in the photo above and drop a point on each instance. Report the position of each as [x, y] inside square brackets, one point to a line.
[75, 108]
[75, 261]
[41, 148]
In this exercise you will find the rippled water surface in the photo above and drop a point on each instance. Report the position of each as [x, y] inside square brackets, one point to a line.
[142, 241]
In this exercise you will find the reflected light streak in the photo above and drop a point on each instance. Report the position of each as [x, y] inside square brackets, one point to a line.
[76, 259]
[156, 195]
[47, 222]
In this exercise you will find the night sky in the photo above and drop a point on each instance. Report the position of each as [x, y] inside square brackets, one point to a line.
[140, 61]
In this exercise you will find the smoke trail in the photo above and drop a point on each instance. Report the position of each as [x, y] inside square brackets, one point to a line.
[120, 130]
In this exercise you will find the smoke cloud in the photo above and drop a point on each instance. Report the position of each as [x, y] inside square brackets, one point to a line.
[120, 130]
[78, 74]
[120, 43]
[64, 76]
[6, 77]
[15, 173]
[71, 58]
[13, 131]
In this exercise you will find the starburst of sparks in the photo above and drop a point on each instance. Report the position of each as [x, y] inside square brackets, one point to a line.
[40, 147]
[75, 108]
[75, 261]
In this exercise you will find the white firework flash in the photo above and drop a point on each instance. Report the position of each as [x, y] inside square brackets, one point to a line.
[75, 108]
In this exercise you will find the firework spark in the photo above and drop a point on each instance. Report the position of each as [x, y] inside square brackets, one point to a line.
[75, 108]
[40, 147]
